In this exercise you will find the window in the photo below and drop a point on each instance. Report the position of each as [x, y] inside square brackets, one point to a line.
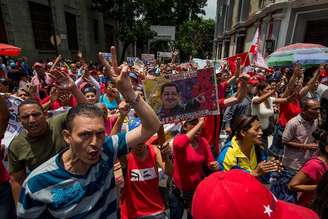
[240, 44]
[219, 48]
[3, 35]
[226, 49]
[95, 31]
[240, 4]
[41, 25]
[71, 31]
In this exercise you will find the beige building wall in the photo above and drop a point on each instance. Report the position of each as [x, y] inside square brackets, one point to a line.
[254, 7]
[235, 18]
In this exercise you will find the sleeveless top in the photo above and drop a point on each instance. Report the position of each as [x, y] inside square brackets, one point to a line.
[141, 196]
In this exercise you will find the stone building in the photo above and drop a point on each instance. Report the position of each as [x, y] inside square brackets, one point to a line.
[29, 24]
[280, 23]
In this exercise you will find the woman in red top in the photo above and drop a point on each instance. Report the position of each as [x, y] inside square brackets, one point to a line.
[141, 197]
[306, 180]
[191, 153]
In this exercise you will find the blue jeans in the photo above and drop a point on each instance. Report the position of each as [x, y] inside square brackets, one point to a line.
[279, 185]
[7, 203]
[277, 148]
[177, 205]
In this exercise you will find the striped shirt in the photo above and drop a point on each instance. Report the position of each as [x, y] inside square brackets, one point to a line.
[50, 189]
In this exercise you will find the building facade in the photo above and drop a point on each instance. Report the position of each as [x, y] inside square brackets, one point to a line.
[30, 25]
[280, 23]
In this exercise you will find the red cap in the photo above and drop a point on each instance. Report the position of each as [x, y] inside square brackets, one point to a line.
[236, 194]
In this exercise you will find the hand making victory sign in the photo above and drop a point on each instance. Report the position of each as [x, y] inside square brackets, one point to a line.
[119, 74]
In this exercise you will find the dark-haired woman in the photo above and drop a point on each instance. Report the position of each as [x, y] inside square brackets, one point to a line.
[191, 153]
[263, 108]
[91, 94]
[243, 152]
[305, 181]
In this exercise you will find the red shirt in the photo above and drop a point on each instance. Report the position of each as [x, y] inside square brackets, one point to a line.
[4, 176]
[222, 86]
[211, 131]
[189, 162]
[141, 196]
[288, 111]
[57, 104]
[314, 169]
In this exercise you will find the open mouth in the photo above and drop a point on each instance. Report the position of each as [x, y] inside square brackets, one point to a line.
[93, 155]
[33, 127]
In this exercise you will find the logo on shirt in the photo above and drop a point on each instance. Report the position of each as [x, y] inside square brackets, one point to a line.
[143, 174]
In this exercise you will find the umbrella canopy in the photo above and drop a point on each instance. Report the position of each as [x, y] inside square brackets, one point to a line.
[9, 50]
[304, 53]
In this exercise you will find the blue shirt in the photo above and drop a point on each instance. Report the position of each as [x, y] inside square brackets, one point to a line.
[50, 188]
[109, 104]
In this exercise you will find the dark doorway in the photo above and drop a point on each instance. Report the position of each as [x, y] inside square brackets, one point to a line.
[317, 32]
[3, 35]
[71, 31]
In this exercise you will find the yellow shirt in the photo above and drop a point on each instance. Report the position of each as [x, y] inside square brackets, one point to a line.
[233, 158]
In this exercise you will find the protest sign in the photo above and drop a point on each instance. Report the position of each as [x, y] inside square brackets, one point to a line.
[14, 127]
[183, 96]
[148, 59]
[107, 56]
[164, 55]
[131, 60]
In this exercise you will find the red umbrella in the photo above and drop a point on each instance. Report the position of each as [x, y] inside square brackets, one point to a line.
[9, 50]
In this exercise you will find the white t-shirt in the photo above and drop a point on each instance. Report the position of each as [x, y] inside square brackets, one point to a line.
[263, 111]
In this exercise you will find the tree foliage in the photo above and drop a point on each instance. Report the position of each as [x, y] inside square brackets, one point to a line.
[134, 17]
[195, 37]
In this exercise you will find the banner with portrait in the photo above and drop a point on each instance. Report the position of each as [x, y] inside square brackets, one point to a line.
[183, 96]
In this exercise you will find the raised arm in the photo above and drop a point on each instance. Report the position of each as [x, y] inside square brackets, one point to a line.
[64, 82]
[123, 112]
[241, 93]
[292, 82]
[149, 121]
[237, 72]
[311, 82]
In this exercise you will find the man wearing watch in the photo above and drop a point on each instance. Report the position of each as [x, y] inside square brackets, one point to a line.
[79, 181]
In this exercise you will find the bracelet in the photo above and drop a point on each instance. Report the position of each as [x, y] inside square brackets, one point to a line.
[133, 102]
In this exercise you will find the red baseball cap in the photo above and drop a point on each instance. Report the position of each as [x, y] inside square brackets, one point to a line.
[236, 194]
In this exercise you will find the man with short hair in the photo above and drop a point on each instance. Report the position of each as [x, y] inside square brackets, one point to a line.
[79, 181]
[299, 146]
[170, 97]
[41, 139]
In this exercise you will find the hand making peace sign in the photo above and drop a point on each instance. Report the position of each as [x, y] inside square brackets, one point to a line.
[119, 74]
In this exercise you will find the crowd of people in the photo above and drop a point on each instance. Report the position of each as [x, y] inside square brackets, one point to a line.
[87, 146]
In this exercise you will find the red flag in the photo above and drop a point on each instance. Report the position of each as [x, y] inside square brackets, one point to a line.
[244, 61]
[255, 43]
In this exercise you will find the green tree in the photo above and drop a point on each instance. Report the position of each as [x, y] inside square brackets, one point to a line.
[130, 17]
[134, 17]
[195, 37]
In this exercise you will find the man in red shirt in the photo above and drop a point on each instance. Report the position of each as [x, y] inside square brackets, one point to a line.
[141, 196]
